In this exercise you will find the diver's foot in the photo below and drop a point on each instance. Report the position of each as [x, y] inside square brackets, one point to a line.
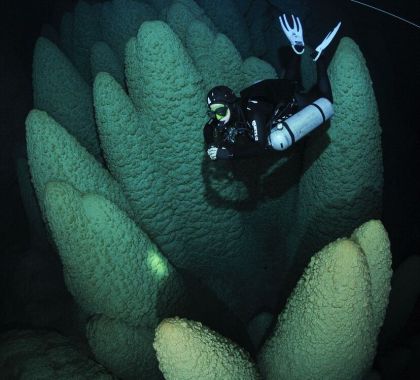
[294, 34]
[327, 40]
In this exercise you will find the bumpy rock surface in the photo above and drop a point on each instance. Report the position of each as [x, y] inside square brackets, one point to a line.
[54, 154]
[123, 275]
[188, 350]
[126, 350]
[341, 184]
[60, 90]
[237, 226]
[30, 354]
[326, 330]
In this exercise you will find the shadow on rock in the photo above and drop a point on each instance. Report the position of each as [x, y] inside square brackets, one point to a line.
[243, 183]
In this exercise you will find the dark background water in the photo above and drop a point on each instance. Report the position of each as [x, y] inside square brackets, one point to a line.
[390, 46]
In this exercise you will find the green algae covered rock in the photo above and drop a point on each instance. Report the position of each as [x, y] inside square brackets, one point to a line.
[152, 141]
[219, 61]
[160, 4]
[146, 155]
[53, 154]
[373, 240]
[182, 13]
[154, 148]
[86, 31]
[120, 20]
[110, 266]
[126, 350]
[42, 354]
[342, 179]
[215, 56]
[224, 222]
[255, 69]
[60, 90]
[325, 331]
[104, 59]
[227, 17]
[188, 350]
[258, 327]
[256, 19]
[329, 327]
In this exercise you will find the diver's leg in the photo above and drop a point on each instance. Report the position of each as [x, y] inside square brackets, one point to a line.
[293, 69]
[322, 89]
[323, 82]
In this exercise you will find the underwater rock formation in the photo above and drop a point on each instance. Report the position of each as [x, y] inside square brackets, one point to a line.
[125, 350]
[226, 15]
[55, 155]
[162, 117]
[103, 59]
[86, 31]
[182, 13]
[120, 20]
[329, 327]
[45, 355]
[187, 349]
[373, 240]
[123, 275]
[133, 203]
[341, 180]
[327, 330]
[60, 89]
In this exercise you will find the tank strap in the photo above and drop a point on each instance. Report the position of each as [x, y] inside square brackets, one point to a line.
[320, 110]
[289, 130]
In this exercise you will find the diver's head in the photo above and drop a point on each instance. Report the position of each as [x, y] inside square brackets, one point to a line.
[220, 101]
[219, 112]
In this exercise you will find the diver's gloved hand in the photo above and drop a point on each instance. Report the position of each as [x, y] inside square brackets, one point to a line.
[212, 152]
[315, 55]
[295, 34]
[220, 153]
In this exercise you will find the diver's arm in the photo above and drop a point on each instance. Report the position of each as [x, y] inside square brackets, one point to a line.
[230, 151]
[208, 134]
[223, 153]
[210, 146]
[233, 152]
[246, 152]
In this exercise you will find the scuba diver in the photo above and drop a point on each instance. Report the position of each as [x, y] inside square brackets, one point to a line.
[271, 114]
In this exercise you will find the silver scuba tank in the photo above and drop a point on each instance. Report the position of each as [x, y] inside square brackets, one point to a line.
[288, 131]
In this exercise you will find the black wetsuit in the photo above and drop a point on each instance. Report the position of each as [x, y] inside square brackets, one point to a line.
[246, 133]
